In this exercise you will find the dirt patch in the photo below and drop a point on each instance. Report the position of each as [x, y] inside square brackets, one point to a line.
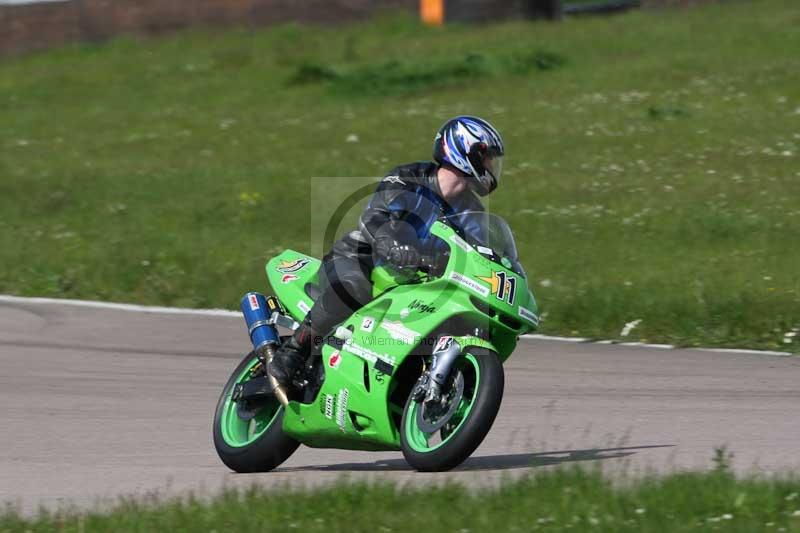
[42, 25]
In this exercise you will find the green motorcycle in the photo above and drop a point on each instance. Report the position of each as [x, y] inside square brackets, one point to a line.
[417, 369]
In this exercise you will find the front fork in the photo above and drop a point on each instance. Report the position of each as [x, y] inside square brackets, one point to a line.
[429, 386]
[445, 354]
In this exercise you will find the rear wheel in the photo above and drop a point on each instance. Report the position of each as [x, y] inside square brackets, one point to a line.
[249, 436]
[441, 438]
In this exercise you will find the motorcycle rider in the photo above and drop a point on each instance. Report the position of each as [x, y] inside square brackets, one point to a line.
[394, 228]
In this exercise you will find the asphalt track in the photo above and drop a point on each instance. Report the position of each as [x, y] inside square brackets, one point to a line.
[99, 403]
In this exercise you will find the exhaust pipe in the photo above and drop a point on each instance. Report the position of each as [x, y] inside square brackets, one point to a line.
[277, 389]
[258, 311]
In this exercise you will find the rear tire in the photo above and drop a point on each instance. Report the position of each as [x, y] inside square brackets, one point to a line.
[237, 450]
[464, 435]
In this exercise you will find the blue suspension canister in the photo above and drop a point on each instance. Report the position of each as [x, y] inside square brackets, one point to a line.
[257, 311]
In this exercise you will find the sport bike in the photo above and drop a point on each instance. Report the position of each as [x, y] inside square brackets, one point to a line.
[418, 369]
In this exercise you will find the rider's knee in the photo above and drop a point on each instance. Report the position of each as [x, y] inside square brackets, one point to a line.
[353, 289]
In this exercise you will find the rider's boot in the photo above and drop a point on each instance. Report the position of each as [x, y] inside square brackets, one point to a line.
[290, 357]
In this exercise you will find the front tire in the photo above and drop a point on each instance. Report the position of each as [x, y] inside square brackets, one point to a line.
[250, 439]
[482, 378]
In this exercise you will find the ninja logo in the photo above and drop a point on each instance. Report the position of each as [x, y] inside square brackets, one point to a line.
[418, 305]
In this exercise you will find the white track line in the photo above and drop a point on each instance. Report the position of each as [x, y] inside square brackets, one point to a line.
[559, 339]
[236, 314]
[122, 307]
[655, 346]
[26, 2]
[741, 350]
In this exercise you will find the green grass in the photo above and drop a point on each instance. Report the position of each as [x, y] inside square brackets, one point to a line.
[400, 76]
[566, 499]
[581, 2]
[653, 172]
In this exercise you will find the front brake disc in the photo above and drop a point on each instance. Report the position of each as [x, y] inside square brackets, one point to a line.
[431, 418]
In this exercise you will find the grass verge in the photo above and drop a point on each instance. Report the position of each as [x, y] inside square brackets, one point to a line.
[397, 76]
[652, 178]
[567, 499]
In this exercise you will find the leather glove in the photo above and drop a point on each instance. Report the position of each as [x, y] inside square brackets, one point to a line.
[394, 244]
[404, 256]
[399, 255]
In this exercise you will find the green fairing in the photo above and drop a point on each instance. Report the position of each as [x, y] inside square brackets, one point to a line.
[289, 284]
[355, 408]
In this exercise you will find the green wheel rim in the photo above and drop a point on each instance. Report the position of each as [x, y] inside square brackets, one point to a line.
[418, 439]
[237, 432]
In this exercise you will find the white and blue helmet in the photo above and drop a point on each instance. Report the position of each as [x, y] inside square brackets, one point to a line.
[473, 146]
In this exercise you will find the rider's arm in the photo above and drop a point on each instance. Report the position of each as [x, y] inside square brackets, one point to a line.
[396, 243]
[385, 223]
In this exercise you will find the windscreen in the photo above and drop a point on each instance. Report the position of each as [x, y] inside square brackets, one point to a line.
[487, 231]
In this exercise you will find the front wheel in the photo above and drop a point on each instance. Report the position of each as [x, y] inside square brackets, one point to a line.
[435, 440]
[249, 437]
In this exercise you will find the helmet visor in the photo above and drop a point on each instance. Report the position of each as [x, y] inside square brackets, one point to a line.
[487, 167]
[494, 166]
[489, 179]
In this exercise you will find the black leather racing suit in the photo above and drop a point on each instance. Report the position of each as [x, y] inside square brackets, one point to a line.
[402, 209]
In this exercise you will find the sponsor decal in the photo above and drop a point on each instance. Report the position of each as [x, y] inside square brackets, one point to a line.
[422, 307]
[326, 406]
[443, 344]
[461, 243]
[253, 299]
[273, 304]
[503, 285]
[382, 361]
[486, 251]
[303, 306]
[399, 332]
[368, 324]
[335, 359]
[289, 267]
[528, 315]
[394, 179]
[469, 283]
[341, 408]
[286, 278]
